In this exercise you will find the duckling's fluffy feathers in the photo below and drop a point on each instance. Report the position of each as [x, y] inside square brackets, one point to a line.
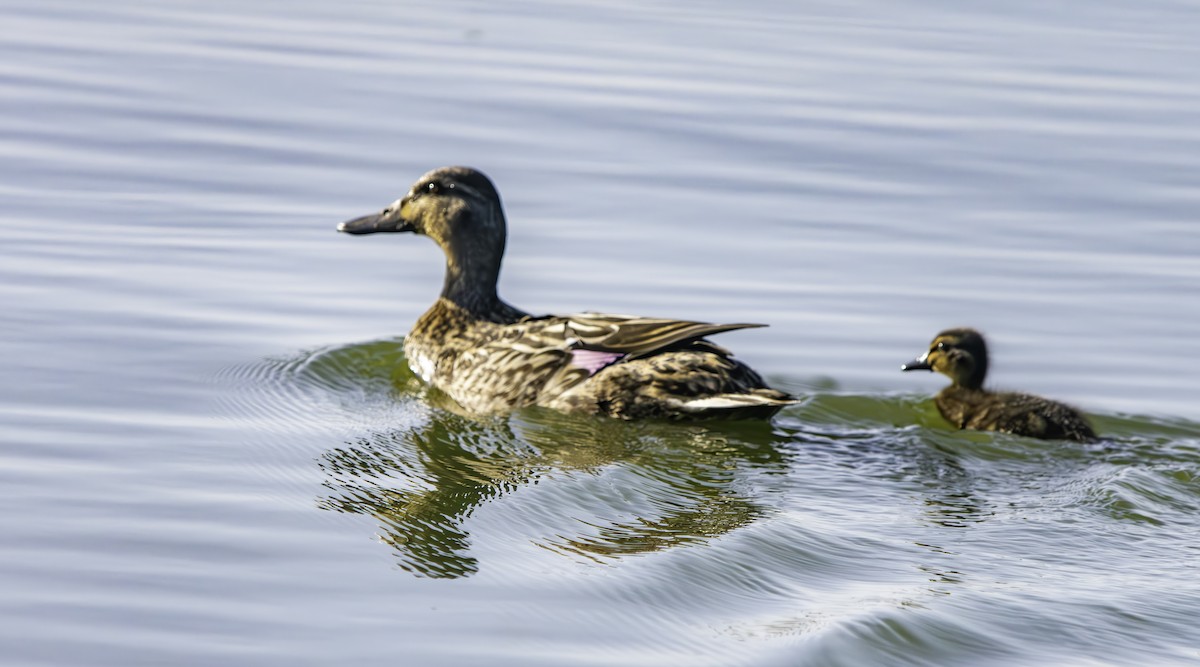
[1013, 412]
[961, 354]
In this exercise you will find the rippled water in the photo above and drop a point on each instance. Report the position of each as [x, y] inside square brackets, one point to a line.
[211, 451]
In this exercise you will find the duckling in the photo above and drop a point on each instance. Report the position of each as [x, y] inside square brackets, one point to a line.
[961, 354]
[491, 357]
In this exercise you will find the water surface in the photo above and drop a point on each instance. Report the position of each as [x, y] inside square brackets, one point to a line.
[211, 450]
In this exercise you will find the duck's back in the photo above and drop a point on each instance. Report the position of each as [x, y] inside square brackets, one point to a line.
[611, 365]
[1013, 412]
[691, 380]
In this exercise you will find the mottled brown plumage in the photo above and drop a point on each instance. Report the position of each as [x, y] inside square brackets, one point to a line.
[961, 354]
[491, 357]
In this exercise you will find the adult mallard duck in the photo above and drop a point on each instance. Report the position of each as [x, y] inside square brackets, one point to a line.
[961, 354]
[491, 357]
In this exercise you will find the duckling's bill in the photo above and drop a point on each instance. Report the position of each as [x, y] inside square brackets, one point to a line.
[921, 363]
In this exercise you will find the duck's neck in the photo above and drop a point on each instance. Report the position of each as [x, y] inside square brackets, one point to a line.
[470, 285]
[973, 381]
[963, 388]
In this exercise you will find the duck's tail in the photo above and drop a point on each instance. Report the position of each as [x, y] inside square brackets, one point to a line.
[754, 404]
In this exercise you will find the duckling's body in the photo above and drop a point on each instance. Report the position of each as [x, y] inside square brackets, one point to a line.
[1012, 412]
[491, 357]
[961, 354]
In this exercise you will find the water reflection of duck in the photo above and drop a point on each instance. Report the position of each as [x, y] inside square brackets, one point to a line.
[491, 357]
[425, 484]
[961, 354]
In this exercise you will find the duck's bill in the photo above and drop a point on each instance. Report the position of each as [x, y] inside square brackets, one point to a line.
[376, 222]
[918, 364]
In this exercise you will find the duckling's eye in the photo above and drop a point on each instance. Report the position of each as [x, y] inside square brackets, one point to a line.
[941, 345]
[433, 187]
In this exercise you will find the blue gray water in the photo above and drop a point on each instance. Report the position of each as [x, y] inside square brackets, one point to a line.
[211, 451]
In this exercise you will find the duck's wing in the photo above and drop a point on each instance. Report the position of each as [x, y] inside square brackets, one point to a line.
[610, 364]
[572, 348]
[635, 336]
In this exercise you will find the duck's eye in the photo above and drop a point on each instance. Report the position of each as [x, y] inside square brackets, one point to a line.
[433, 187]
[941, 345]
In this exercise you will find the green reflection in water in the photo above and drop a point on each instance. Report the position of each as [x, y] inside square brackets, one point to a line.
[422, 481]
[608, 490]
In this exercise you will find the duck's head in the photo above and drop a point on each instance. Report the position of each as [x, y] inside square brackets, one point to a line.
[459, 208]
[451, 205]
[959, 354]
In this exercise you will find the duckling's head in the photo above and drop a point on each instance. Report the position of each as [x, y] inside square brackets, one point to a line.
[459, 208]
[959, 354]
